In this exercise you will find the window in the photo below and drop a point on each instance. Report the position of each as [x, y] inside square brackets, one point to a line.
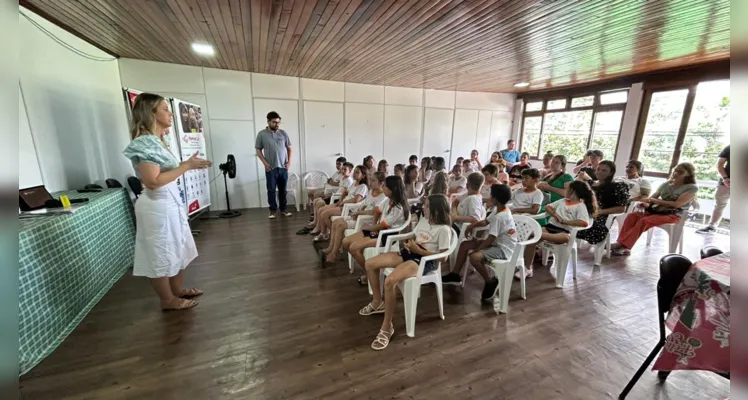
[573, 125]
[665, 141]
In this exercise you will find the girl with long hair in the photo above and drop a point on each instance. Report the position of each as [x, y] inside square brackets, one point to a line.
[440, 185]
[432, 235]
[426, 172]
[354, 194]
[163, 240]
[383, 167]
[612, 197]
[375, 199]
[392, 213]
[576, 210]
[663, 207]
[413, 186]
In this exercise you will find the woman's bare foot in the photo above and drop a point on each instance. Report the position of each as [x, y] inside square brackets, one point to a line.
[330, 258]
[615, 246]
[177, 304]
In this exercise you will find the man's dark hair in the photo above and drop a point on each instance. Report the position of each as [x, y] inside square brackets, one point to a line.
[273, 115]
[348, 165]
[501, 193]
[413, 158]
[340, 160]
[510, 141]
[531, 172]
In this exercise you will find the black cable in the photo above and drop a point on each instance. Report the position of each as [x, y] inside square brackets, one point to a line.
[63, 44]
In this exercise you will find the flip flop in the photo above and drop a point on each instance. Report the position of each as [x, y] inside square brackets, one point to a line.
[190, 293]
[183, 305]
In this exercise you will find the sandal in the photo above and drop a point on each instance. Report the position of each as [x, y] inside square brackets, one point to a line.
[362, 280]
[182, 304]
[321, 238]
[371, 310]
[528, 274]
[304, 231]
[189, 293]
[382, 339]
[621, 252]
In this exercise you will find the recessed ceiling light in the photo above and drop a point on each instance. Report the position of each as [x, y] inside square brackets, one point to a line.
[522, 84]
[203, 49]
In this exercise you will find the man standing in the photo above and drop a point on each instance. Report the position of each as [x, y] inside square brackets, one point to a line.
[589, 163]
[510, 155]
[274, 151]
[722, 196]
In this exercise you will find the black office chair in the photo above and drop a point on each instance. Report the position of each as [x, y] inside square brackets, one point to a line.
[135, 185]
[93, 186]
[673, 267]
[710, 251]
[113, 183]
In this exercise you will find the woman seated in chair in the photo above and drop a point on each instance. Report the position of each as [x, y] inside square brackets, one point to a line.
[612, 197]
[663, 207]
[555, 182]
[432, 236]
[393, 213]
[639, 187]
[354, 194]
[373, 201]
[575, 211]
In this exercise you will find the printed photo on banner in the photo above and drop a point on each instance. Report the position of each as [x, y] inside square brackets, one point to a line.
[191, 141]
[191, 118]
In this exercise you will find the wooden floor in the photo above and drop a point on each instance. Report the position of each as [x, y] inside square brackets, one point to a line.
[272, 325]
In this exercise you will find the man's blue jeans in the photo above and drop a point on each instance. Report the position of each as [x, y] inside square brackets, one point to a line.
[277, 178]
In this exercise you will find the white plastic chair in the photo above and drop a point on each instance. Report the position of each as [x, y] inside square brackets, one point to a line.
[561, 255]
[603, 248]
[674, 231]
[528, 232]
[460, 239]
[622, 217]
[348, 208]
[336, 197]
[292, 188]
[313, 180]
[411, 287]
[467, 268]
[372, 252]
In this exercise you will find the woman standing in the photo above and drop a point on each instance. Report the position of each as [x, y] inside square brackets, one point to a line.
[612, 197]
[163, 240]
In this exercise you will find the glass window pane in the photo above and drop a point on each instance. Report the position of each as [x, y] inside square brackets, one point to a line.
[614, 97]
[586, 101]
[605, 132]
[556, 104]
[531, 135]
[567, 133]
[536, 106]
[661, 130]
[708, 129]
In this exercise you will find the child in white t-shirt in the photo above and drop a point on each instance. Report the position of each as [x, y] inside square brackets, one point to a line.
[345, 181]
[469, 207]
[468, 167]
[375, 199]
[331, 185]
[577, 210]
[499, 245]
[353, 194]
[432, 235]
[528, 199]
[457, 181]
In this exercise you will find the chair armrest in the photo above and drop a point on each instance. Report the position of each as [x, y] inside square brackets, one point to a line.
[538, 216]
[482, 229]
[396, 238]
[363, 219]
[350, 207]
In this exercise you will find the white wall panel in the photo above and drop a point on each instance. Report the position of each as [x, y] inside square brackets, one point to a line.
[483, 135]
[324, 128]
[364, 131]
[403, 96]
[237, 138]
[402, 133]
[465, 132]
[440, 98]
[628, 126]
[486, 101]
[313, 89]
[360, 93]
[29, 173]
[160, 77]
[501, 130]
[437, 133]
[275, 86]
[229, 94]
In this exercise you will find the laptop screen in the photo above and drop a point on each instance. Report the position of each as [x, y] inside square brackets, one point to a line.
[33, 198]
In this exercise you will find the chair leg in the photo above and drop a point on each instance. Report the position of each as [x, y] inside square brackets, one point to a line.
[641, 370]
[607, 246]
[410, 304]
[600, 250]
[440, 296]
[574, 256]
[545, 254]
[650, 233]
[296, 202]
[523, 277]
[504, 272]
[561, 260]
[350, 262]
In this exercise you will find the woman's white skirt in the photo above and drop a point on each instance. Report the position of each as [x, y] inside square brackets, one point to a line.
[163, 239]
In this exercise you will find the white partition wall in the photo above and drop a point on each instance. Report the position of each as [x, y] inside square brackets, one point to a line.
[324, 119]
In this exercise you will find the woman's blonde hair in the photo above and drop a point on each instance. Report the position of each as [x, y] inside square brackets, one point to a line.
[144, 115]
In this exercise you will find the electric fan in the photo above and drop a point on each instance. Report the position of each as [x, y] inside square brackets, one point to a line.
[228, 168]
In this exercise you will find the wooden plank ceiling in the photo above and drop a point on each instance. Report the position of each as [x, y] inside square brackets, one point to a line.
[478, 45]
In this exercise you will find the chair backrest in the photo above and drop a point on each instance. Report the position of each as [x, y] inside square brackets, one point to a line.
[673, 267]
[683, 218]
[113, 183]
[528, 229]
[710, 251]
[135, 185]
[609, 221]
[393, 230]
[315, 179]
[293, 181]
[93, 186]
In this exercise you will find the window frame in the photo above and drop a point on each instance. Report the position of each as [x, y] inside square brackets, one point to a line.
[595, 108]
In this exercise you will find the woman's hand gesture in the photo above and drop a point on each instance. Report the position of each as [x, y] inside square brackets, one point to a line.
[196, 163]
